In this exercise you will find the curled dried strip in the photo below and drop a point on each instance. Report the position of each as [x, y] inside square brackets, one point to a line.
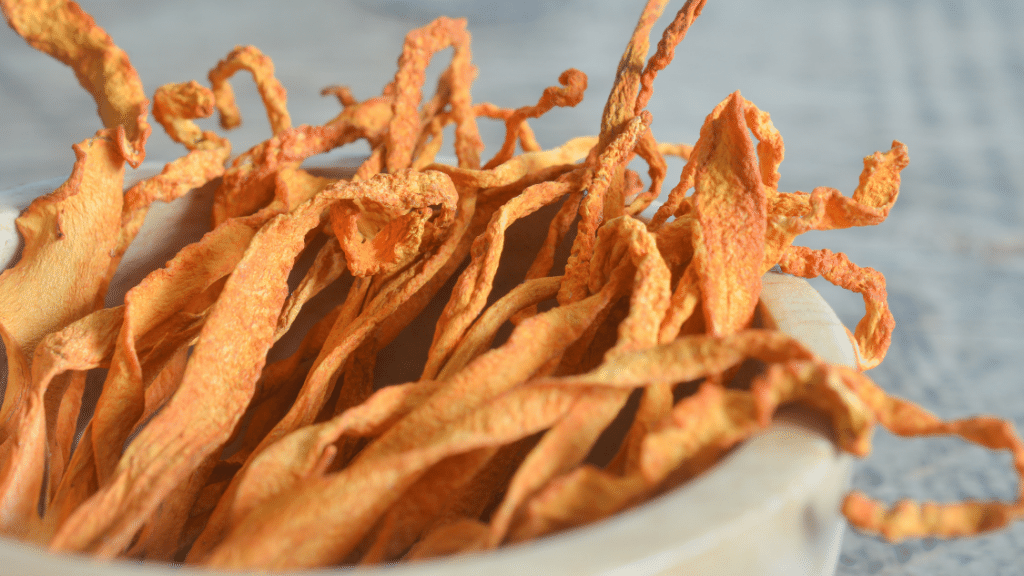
[874, 331]
[177, 178]
[423, 504]
[573, 82]
[677, 202]
[620, 108]
[479, 337]
[678, 150]
[571, 439]
[175, 106]
[523, 166]
[694, 435]
[908, 519]
[491, 411]
[63, 30]
[274, 96]
[328, 266]
[248, 184]
[149, 304]
[595, 208]
[383, 224]
[508, 417]
[670, 38]
[420, 45]
[648, 149]
[309, 451]
[544, 261]
[794, 213]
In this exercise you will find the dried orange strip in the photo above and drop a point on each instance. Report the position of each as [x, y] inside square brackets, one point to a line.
[63, 30]
[670, 38]
[82, 345]
[163, 292]
[573, 82]
[398, 456]
[874, 331]
[271, 91]
[68, 235]
[218, 383]
[346, 335]
[420, 45]
[474, 285]
[309, 451]
[268, 536]
[519, 167]
[383, 228]
[479, 337]
[620, 108]
[908, 519]
[730, 208]
[458, 537]
[594, 208]
[248, 183]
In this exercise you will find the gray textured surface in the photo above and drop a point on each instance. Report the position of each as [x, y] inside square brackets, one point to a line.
[841, 80]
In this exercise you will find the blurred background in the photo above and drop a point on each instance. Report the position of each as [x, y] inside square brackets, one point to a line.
[841, 80]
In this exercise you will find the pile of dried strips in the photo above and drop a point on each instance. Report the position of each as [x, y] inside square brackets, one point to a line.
[489, 444]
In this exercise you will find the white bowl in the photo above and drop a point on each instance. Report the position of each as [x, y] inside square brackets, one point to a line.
[771, 507]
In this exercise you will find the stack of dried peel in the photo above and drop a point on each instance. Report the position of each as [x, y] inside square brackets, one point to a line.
[489, 445]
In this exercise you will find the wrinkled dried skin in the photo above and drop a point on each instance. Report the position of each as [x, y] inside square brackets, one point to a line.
[271, 91]
[730, 209]
[420, 45]
[908, 519]
[82, 345]
[670, 38]
[474, 285]
[874, 331]
[595, 208]
[384, 223]
[64, 31]
[573, 82]
[63, 270]
[217, 385]
[397, 458]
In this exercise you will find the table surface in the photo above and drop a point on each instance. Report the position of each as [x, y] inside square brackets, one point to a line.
[840, 79]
